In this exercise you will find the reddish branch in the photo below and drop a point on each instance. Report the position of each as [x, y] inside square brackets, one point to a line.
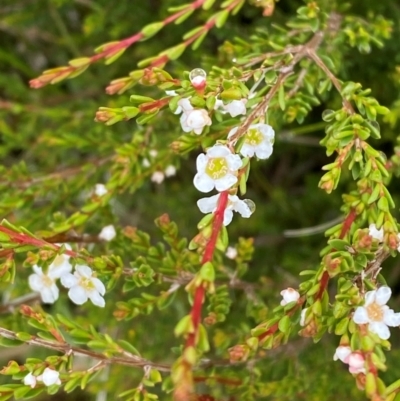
[207, 257]
[112, 49]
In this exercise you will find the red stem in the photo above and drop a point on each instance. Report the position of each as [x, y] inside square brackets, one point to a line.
[122, 44]
[207, 257]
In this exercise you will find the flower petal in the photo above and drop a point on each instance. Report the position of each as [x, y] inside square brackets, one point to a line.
[208, 205]
[370, 297]
[35, 282]
[391, 319]
[97, 299]
[263, 154]
[234, 162]
[84, 271]
[233, 131]
[228, 216]
[77, 295]
[222, 184]
[203, 182]
[50, 377]
[247, 150]
[219, 151]
[49, 294]
[69, 280]
[383, 295]
[380, 329]
[99, 285]
[201, 162]
[360, 316]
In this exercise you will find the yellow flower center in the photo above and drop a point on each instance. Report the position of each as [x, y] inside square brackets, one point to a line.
[217, 167]
[375, 312]
[86, 283]
[58, 261]
[47, 281]
[253, 137]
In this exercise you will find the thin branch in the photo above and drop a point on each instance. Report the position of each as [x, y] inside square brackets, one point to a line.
[131, 360]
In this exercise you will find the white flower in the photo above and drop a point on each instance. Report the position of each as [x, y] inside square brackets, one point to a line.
[30, 380]
[217, 168]
[157, 177]
[356, 363]
[342, 352]
[171, 93]
[45, 283]
[153, 153]
[258, 140]
[303, 317]
[231, 252]
[100, 190]
[183, 105]
[376, 313]
[209, 205]
[234, 108]
[146, 163]
[375, 233]
[170, 171]
[82, 285]
[50, 377]
[289, 295]
[192, 119]
[107, 233]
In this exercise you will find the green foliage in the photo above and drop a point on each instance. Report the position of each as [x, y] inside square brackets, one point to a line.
[191, 303]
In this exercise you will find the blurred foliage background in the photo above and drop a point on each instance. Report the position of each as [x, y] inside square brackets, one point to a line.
[53, 153]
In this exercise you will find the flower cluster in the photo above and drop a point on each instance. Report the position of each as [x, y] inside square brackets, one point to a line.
[82, 284]
[376, 314]
[355, 360]
[219, 167]
[49, 377]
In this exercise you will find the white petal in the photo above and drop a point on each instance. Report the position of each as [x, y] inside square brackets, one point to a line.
[234, 162]
[219, 151]
[157, 177]
[222, 184]
[69, 280]
[208, 205]
[383, 295]
[35, 282]
[233, 131]
[263, 154]
[247, 150]
[198, 119]
[108, 233]
[84, 271]
[100, 190]
[228, 216]
[50, 377]
[37, 270]
[30, 380]
[96, 298]
[242, 208]
[370, 297]
[77, 295]
[185, 104]
[170, 171]
[49, 294]
[203, 182]
[231, 252]
[183, 120]
[380, 329]
[236, 108]
[266, 130]
[360, 316]
[303, 317]
[99, 285]
[201, 162]
[56, 271]
[375, 233]
[391, 319]
[342, 353]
